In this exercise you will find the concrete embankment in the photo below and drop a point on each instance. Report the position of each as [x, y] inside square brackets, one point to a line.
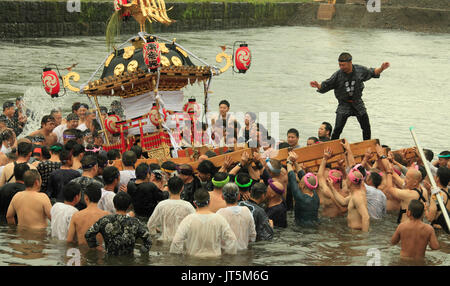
[54, 19]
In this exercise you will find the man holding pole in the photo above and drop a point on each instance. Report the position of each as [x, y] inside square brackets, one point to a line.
[348, 84]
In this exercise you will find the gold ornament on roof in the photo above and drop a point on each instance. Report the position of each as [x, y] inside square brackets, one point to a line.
[118, 70]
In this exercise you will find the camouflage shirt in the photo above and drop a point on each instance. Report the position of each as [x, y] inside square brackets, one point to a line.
[119, 233]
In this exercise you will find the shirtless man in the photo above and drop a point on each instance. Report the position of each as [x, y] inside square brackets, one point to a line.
[330, 207]
[31, 206]
[410, 190]
[216, 200]
[46, 130]
[414, 234]
[81, 221]
[358, 215]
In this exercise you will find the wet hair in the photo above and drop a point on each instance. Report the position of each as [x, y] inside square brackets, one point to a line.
[46, 119]
[243, 179]
[75, 106]
[6, 135]
[328, 126]
[429, 155]
[283, 145]
[376, 178]
[169, 165]
[137, 150]
[142, 171]
[186, 169]
[129, 158]
[422, 171]
[230, 193]
[210, 153]
[102, 160]
[315, 139]
[110, 173]
[113, 154]
[345, 57]
[398, 157]
[93, 192]
[19, 170]
[154, 166]
[201, 197]
[77, 150]
[65, 156]
[24, 149]
[30, 177]
[224, 102]
[72, 116]
[416, 208]
[70, 144]
[443, 173]
[258, 190]
[293, 131]
[175, 185]
[71, 190]
[88, 162]
[122, 201]
[45, 153]
[207, 167]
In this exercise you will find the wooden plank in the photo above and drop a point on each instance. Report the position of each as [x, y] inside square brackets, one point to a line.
[218, 160]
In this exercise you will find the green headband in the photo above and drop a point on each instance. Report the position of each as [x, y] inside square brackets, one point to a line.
[243, 186]
[444, 156]
[220, 184]
[56, 148]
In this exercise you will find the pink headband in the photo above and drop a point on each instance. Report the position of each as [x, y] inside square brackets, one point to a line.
[274, 188]
[335, 180]
[305, 179]
[95, 150]
[353, 178]
[356, 168]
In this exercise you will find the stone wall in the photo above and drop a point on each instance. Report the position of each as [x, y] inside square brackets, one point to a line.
[52, 19]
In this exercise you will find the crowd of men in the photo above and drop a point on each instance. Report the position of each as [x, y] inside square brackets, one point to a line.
[66, 178]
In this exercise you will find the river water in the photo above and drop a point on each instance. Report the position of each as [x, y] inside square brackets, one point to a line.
[412, 92]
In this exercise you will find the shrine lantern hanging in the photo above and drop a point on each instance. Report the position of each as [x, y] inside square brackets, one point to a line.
[50, 81]
[242, 58]
[192, 108]
[153, 115]
[152, 54]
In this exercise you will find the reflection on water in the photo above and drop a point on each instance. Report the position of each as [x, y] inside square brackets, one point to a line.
[331, 243]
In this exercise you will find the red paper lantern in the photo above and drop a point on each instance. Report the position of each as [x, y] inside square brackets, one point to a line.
[192, 108]
[50, 81]
[153, 115]
[152, 55]
[110, 123]
[243, 58]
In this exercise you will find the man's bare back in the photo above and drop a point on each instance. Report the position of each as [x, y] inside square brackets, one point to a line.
[32, 209]
[216, 201]
[329, 206]
[358, 215]
[415, 236]
[82, 221]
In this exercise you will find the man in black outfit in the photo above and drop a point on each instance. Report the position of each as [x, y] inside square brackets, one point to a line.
[8, 190]
[348, 84]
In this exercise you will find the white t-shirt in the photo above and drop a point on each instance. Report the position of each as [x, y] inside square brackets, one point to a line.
[204, 235]
[82, 126]
[106, 201]
[126, 176]
[61, 215]
[59, 130]
[167, 216]
[241, 222]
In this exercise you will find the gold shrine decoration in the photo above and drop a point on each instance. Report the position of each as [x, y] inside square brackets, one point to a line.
[229, 61]
[66, 81]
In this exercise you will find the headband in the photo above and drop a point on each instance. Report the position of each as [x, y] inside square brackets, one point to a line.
[243, 185]
[69, 136]
[37, 150]
[56, 148]
[220, 184]
[358, 167]
[305, 179]
[345, 61]
[335, 180]
[271, 168]
[444, 156]
[167, 170]
[353, 178]
[88, 166]
[274, 188]
[95, 150]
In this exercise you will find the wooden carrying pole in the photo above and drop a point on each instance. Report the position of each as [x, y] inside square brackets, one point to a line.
[433, 182]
